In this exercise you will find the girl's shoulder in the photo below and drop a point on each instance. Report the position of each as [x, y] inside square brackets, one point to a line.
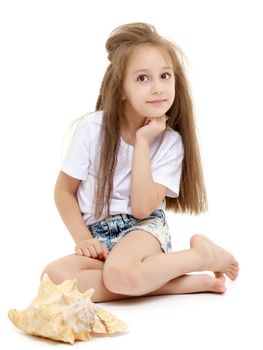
[89, 124]
[92, 118]
[172, 135]
[172, 141]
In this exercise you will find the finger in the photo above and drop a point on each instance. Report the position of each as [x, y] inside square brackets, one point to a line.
[86, 252]
[99, 250]
[79, 251]
[105, 251]
[92, 251]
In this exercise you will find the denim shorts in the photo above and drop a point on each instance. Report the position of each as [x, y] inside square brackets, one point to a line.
[111, 229]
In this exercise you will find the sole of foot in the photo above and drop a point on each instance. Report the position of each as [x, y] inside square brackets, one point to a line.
[220, 261]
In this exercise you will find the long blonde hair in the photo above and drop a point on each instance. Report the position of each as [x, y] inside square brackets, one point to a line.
[122, 41]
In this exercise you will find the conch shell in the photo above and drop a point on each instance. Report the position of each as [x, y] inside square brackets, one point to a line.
[61, 312]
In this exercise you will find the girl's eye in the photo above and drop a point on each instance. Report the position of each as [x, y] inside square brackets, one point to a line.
[166, 75]
[142, 77]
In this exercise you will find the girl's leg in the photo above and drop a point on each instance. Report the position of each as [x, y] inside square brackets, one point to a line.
[195, 283]
[88, 273]
[180, 285]
[137, 266]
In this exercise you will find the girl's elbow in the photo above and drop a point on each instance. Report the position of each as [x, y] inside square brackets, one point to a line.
[140, 214]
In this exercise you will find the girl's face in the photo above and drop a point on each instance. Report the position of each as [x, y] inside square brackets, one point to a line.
[149, 83]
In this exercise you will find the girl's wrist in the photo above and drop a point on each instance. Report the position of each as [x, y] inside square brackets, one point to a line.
[140, 139]
[79, 237]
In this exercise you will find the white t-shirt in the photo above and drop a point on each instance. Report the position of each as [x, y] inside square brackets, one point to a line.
[81, 162]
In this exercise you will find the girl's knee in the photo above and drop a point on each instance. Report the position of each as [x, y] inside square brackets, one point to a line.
[121, 280]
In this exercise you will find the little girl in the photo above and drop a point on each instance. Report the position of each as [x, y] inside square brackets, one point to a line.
[128, 161]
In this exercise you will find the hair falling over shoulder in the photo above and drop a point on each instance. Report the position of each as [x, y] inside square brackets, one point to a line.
[121, 42]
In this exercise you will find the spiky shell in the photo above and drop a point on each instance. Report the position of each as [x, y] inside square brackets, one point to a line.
[60, 312]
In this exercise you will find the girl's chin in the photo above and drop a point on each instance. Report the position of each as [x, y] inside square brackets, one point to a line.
[154, 116]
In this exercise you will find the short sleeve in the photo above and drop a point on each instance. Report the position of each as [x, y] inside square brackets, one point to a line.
[77, 160]
[168, 168]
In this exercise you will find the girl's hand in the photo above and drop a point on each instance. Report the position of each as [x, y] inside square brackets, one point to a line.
[152, 127]
[92, 248]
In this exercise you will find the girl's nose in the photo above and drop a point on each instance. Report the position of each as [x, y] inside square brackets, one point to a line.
[156, 91]
[156, 86]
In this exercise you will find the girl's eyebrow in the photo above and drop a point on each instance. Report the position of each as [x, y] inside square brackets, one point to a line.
[148, 70]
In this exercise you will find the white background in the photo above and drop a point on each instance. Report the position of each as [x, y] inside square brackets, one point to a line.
[52, 63]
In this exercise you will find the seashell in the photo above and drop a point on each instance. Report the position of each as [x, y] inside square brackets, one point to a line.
[60, 312]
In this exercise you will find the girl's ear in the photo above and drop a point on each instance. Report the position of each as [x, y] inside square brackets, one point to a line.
[123, 97]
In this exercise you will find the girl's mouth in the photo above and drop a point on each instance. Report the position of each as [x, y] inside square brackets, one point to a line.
[157, 102]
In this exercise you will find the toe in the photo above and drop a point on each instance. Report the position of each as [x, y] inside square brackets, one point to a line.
[232, 275]
[235, 267]
[235, 264]
[234, 270]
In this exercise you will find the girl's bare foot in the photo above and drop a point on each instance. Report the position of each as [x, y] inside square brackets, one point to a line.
[195, 283]
[220, 261]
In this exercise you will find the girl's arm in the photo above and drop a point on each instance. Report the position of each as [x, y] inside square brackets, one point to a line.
[146, 195]
[67, 205]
